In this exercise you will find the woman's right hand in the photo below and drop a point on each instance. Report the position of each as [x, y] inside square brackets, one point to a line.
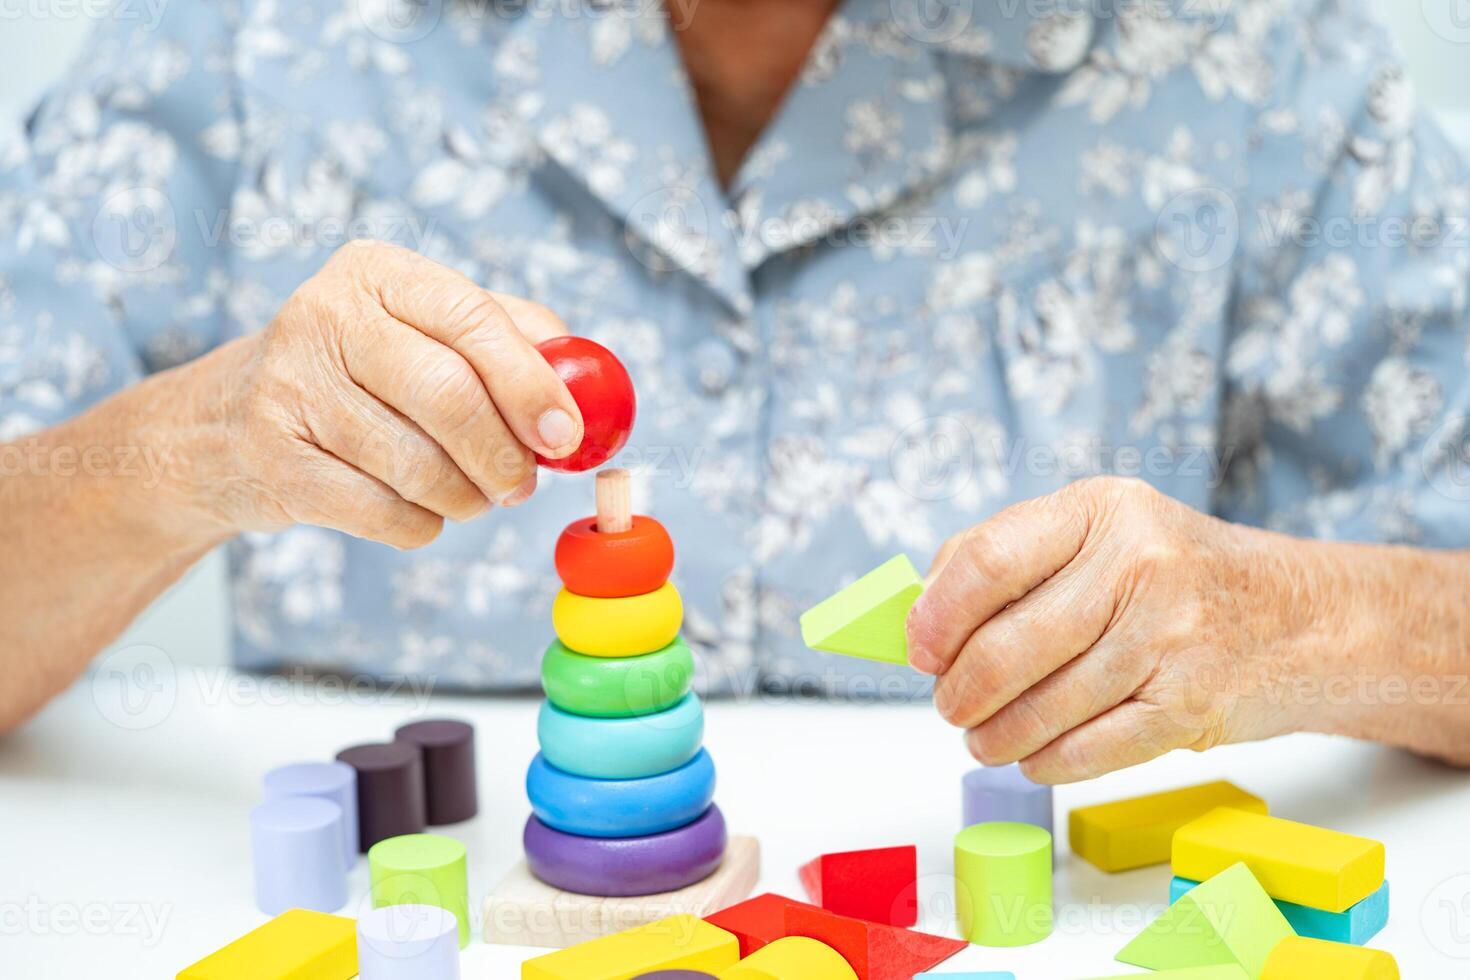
[389, 393]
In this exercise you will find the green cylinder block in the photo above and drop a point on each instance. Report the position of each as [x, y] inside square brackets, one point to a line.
[617, 687]
[421, 869]
[1002, 889]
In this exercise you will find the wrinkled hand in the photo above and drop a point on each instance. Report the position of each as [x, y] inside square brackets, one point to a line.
[389, 393]
[1106, 624]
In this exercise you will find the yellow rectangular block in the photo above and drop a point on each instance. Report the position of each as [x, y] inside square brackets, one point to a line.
[1137, 832]
[1300, 958]
[296, 945]
[1294, 862]
[684, 942]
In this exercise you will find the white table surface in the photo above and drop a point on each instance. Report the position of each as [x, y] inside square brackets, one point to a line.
[124, 844]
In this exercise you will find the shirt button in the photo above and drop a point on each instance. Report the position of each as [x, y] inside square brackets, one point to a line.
[713, 365]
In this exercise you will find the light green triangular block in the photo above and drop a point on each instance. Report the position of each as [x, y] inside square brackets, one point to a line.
[866, 618]
[1234, 922]
[1223, 972]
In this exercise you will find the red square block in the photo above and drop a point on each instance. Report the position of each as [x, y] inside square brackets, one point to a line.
[875, 884]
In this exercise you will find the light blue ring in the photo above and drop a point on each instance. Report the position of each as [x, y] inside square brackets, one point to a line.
[621, 748]
[620, 807]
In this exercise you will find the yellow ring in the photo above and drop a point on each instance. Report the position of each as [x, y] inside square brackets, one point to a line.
[627, 627]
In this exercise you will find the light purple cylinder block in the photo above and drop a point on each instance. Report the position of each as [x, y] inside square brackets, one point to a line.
[296, 846]
[408, 942]
[1002, 793]
[335, 781]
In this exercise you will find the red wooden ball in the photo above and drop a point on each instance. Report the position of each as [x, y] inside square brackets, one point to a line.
[611, 566]
[602, 390]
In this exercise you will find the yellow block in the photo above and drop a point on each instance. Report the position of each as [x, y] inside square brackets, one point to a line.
[1135, 833]
[296, 945]
[626, 627]
[1294, 862]
[679, 942]
[792, 958]
[1300, 958]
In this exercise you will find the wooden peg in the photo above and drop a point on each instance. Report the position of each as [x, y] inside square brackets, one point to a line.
[614, 502]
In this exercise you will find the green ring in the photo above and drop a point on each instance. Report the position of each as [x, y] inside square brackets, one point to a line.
[617, 687]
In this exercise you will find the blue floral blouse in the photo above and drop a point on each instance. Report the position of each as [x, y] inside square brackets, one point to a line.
[985, 248]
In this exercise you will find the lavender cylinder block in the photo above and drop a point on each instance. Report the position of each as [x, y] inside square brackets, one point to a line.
[334, 781]
[296, 847]
[1002, 793]
[390, 791]
[408, 942]
[448, 749]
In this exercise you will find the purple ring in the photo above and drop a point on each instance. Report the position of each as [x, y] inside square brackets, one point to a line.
[618, 866]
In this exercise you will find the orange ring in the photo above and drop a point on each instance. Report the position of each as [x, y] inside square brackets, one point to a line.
[614, 566]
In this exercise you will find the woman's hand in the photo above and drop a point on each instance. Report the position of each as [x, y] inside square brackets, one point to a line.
[1106, 624]
[389, 393]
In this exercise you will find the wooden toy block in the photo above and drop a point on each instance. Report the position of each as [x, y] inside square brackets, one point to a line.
[873, 950]
[524, 911]
[295, 945]
[755, 921]
[1355, 925]
[626, 627]
[422, 869]
[866, 619]
[1137, 832]
[675, 942]
[875, 884]
[1227, 920]
[791, 958]
[1300, 958]
[1223, 972]
[1294, 862]
[1002, 891]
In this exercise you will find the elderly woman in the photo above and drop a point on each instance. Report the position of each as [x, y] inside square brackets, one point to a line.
[884, 270]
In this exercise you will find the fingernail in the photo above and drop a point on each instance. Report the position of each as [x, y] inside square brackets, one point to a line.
[521, 493]
[556, 429]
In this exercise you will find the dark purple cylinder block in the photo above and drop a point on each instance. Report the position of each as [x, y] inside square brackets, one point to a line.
[390, 790]
[448, 749]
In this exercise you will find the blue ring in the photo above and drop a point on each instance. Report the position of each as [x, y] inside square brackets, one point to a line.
[620, 807]
[621, 748]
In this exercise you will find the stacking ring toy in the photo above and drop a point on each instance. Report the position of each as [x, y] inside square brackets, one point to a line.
[614, 565]
[614, 866]
[621, 748]
[623, 627]
[616, 687]
[620, 807]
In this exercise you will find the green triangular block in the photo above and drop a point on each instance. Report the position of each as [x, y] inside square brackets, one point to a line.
[866, 618]
[1228, 919]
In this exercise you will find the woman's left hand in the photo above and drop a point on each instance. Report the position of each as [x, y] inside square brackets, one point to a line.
[1105, 624]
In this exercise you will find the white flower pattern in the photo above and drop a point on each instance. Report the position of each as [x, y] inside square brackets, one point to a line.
[936, 286]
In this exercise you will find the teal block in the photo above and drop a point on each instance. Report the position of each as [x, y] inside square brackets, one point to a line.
[964, 976]
[1356, 924]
